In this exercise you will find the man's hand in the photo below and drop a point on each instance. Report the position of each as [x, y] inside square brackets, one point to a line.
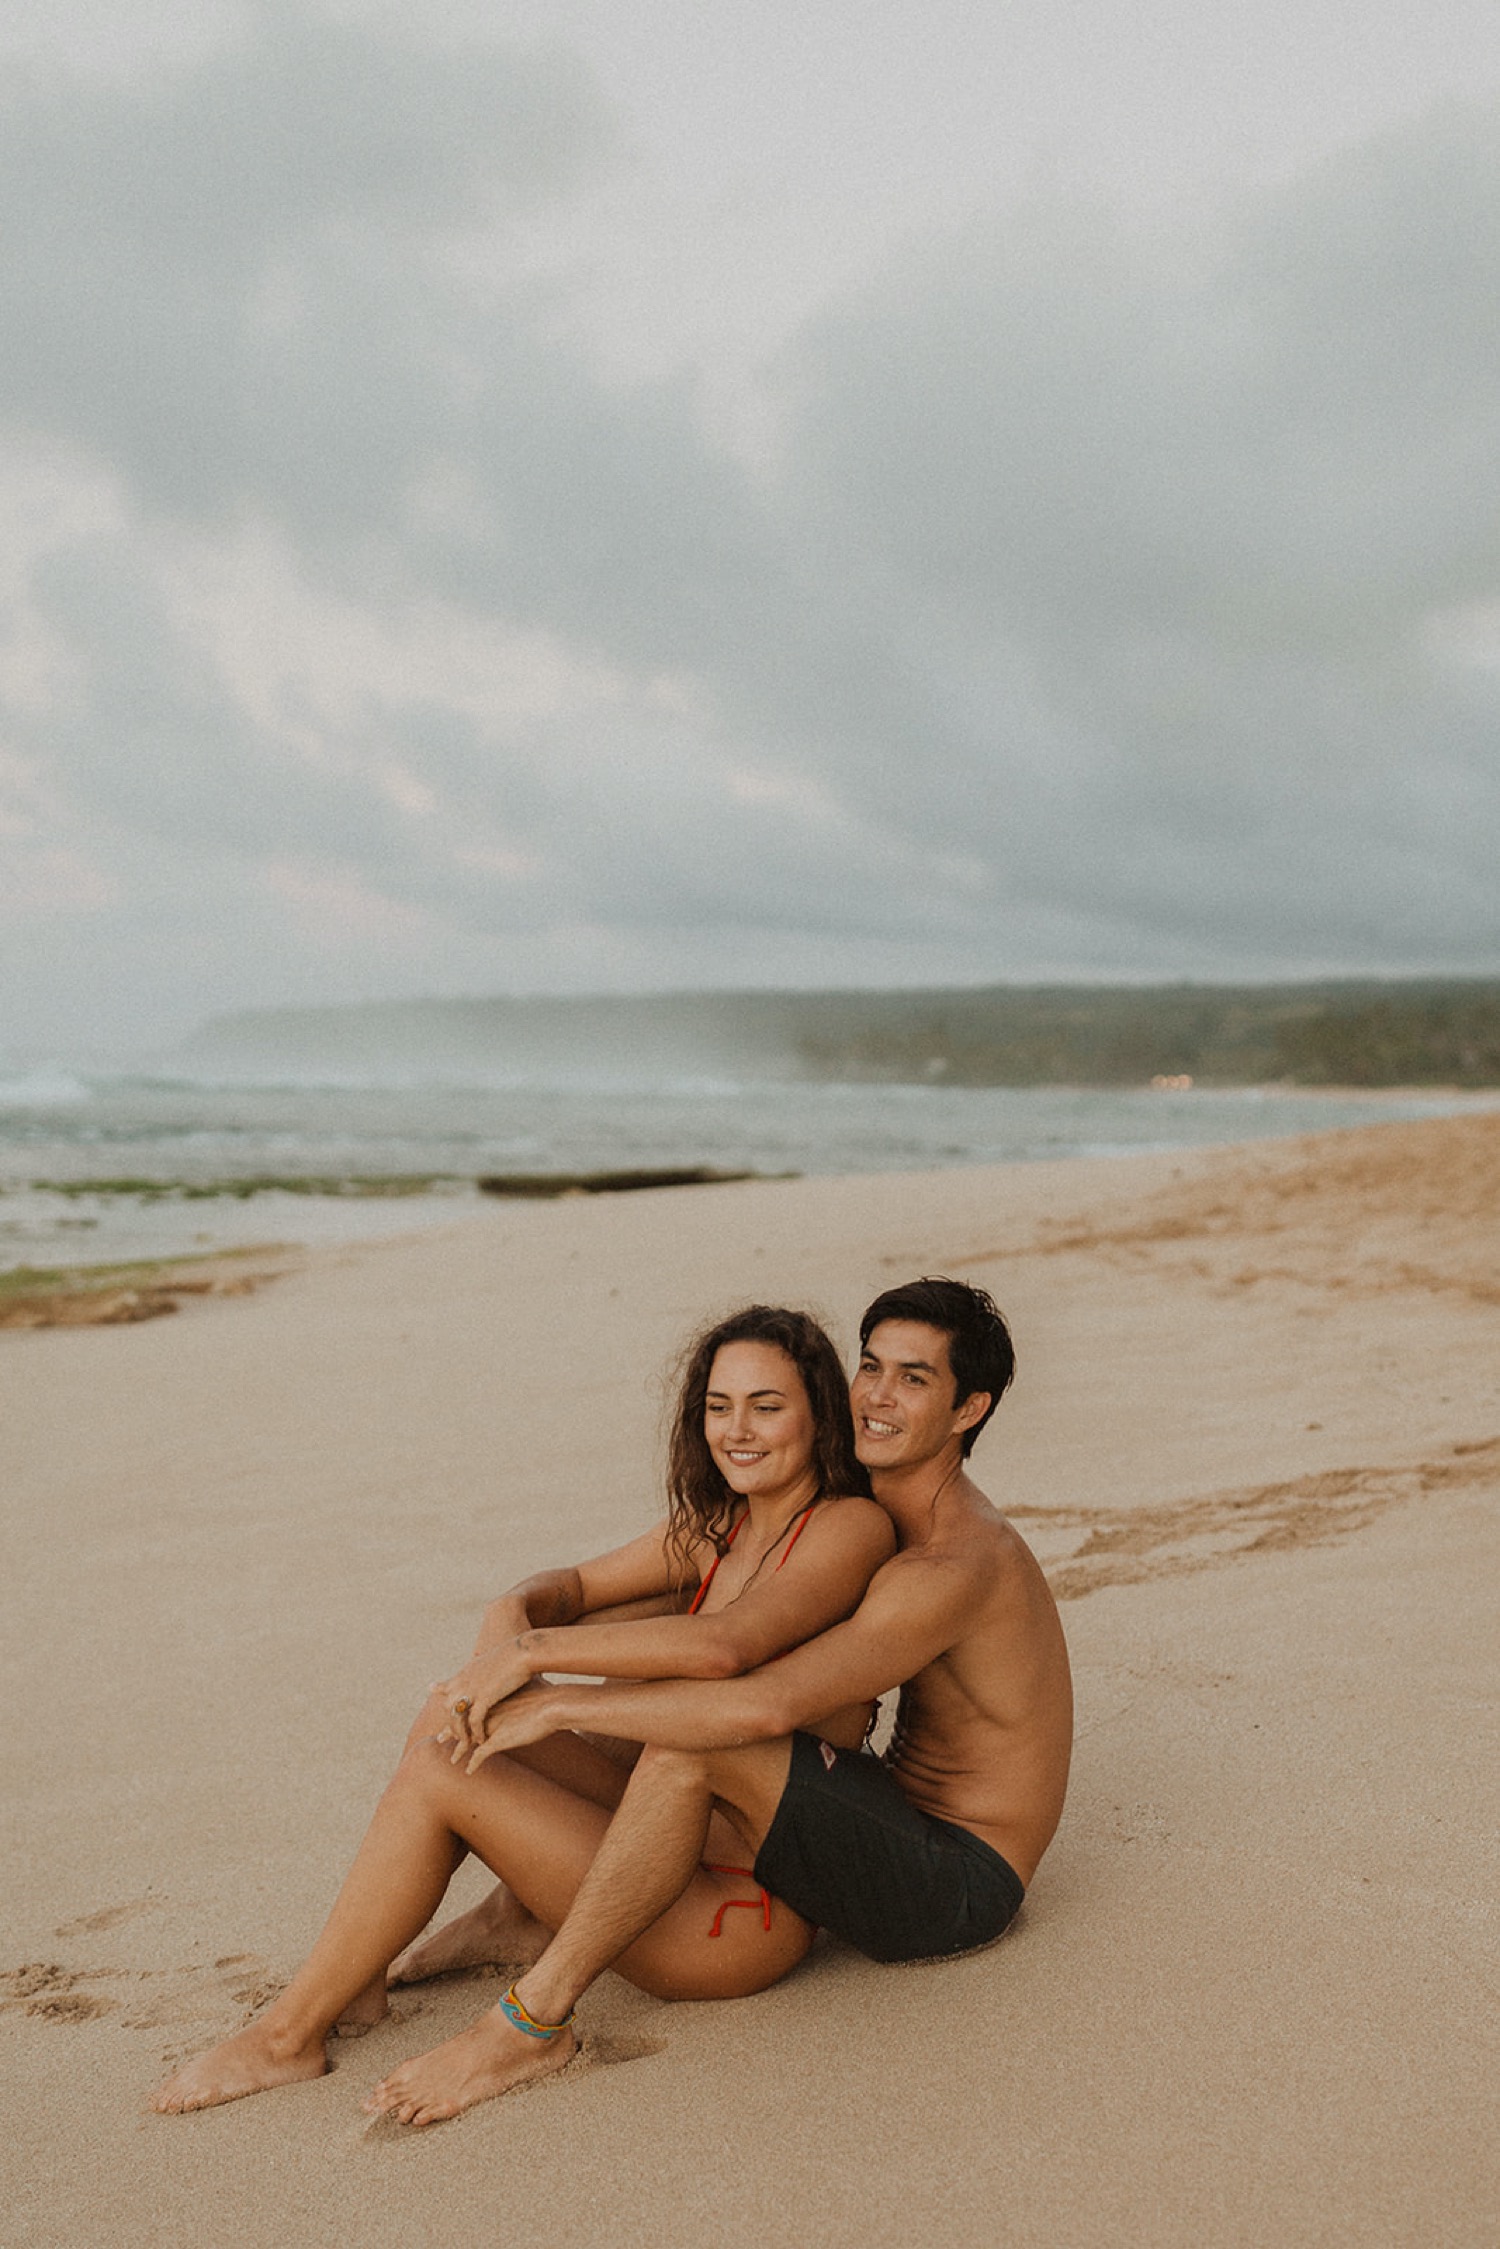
[472, 1693]
[525, 1718]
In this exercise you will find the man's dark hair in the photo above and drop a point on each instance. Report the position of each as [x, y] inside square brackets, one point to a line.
[980, 1350]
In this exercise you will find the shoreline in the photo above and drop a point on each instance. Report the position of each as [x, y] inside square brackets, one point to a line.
[59, 1216]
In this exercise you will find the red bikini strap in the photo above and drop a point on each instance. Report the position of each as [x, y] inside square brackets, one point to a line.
[797, 1533]
[734, 1532]
[698, 1597]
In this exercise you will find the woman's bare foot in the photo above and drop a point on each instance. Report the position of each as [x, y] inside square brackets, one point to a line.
[364, 2011]
[496, 1933]
[490, 2058]
[253, 2061]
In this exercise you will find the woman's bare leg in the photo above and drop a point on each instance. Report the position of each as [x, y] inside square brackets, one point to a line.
[640, 1909]
[398, 1878]
[540, 1839]
[498, 1931]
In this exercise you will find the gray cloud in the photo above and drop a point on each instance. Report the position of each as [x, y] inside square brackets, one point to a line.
[1205, 499]
[234, 283]
[1117, 602]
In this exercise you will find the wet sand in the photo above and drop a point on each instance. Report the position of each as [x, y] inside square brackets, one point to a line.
[1251, 1997]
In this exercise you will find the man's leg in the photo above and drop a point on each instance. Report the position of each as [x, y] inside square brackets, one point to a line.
[647, 1908]
[498, 1931]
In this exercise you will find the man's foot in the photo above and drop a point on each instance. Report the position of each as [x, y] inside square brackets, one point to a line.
[253, 2061]
[364, 2011]
[490, 2058]
[496, 1933]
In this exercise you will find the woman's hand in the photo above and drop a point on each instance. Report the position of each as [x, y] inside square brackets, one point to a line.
[472, 1693]
[525, 1718]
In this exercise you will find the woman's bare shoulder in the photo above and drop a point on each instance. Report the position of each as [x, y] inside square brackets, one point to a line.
[854, 1521]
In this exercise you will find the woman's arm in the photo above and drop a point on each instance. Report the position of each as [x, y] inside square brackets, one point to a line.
[843, 1546]
[555, 1598]
[631, 1576]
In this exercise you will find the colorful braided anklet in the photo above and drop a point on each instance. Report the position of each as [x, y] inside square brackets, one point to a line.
[515, 2011]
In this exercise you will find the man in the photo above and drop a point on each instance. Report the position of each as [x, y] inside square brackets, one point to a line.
[924, 1853]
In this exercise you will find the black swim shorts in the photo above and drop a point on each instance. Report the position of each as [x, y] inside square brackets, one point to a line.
[850, 1852]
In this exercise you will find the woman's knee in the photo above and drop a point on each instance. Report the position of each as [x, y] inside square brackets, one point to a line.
[429, 1721]
[426, 1765]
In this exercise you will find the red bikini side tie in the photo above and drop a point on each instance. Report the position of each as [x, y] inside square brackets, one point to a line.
[763, 1901]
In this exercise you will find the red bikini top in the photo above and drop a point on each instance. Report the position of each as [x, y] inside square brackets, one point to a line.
[740, 1521]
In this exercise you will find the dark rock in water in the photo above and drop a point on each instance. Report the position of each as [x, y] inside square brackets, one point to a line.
[536, 1185]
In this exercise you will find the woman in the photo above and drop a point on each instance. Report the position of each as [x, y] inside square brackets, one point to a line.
[768, 1540]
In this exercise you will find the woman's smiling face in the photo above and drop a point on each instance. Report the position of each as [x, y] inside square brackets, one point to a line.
[757, 1419]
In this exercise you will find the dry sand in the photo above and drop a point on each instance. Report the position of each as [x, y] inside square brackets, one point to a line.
[1251, 1998]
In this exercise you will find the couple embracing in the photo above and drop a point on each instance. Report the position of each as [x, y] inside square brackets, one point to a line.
[693, 1821]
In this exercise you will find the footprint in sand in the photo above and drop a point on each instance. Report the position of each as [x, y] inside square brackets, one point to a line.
[45, 1988]
[192, 1994]
[258, 1992]
[185, 2000]
[34, 1976]
[195, 1995]
[70, 2007]
[108, 1917]
[248, 1979]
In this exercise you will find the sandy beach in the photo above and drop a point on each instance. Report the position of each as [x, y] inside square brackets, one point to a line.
[1251, 1998]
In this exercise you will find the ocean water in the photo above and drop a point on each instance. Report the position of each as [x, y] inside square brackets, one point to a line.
[183, 1144]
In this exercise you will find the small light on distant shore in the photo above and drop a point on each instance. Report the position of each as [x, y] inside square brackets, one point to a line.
[1178, 1083]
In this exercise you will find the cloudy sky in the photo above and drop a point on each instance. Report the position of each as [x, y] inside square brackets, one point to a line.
[798, 492]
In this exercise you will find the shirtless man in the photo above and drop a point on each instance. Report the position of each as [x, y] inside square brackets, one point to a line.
[923, 1853]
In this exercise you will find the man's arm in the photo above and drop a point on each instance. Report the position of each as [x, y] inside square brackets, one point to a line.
[914, 1611]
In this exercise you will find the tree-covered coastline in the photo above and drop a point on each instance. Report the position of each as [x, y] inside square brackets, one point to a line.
[1353, 1034]
[1363, 1033]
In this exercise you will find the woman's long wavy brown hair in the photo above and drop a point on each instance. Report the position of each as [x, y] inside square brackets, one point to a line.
[700, 1503]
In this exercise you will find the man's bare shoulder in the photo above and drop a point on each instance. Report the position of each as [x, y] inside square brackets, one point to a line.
[973, 1547]
[1018, 1588]
[960, 1571]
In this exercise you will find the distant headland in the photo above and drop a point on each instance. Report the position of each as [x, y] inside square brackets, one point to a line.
[1354, 1032]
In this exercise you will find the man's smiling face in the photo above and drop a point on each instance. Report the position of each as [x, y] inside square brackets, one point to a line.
[902, 1396]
